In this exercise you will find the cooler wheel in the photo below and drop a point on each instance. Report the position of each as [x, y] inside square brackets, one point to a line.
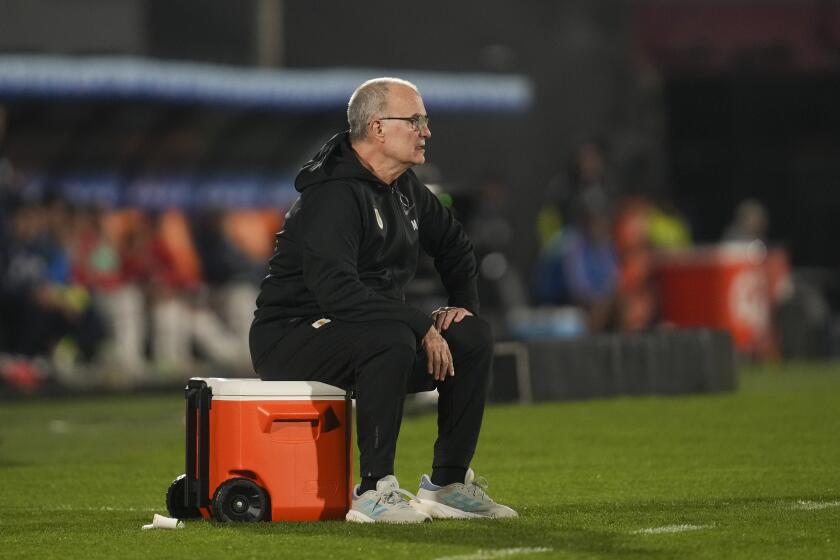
[175, 500]
[240, 499]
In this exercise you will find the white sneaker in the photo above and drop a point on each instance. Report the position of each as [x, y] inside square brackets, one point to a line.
[387, 504]
[460, 501]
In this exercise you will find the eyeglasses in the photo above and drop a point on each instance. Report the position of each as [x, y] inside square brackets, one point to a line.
[418, 122]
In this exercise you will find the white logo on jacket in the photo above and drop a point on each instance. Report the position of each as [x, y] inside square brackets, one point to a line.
[378, 218]
[414, 224]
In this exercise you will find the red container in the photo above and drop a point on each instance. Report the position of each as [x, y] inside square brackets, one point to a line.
[721, 287]
[265, 451]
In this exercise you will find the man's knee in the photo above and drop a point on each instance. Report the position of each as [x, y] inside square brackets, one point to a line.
[472, 334]
[385, 353]
[388, 336]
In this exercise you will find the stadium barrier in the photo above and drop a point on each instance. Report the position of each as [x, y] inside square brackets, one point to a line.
[661, 363]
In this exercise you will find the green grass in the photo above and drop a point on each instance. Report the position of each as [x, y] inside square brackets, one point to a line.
[79, 477]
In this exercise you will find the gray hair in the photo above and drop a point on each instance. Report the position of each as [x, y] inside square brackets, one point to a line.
[368, 102]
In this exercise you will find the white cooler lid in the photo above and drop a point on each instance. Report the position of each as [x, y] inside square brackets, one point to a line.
[223, 387]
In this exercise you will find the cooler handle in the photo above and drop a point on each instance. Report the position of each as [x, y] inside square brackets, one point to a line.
[268, 417]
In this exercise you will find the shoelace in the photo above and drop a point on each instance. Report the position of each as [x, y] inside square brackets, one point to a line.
[480, 484]
[397, 497]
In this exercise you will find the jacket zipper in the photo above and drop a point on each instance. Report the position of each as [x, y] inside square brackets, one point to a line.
[395, 197]
[397, 205]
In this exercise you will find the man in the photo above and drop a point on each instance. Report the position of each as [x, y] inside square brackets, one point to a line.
[332, 306]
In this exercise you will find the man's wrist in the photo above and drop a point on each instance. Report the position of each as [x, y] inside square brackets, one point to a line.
[432, 330]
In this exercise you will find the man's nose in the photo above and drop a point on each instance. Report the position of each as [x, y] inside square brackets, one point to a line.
[426, 132]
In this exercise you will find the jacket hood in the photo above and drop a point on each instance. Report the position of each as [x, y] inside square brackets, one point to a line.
[335, 160]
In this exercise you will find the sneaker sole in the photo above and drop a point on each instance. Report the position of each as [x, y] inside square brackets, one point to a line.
[355, 516]
[438, 510]
[358, 517]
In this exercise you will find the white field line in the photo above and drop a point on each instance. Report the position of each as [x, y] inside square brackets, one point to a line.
[64, 427]
[90, 508]
[498, 553]
[669, 529]
[811, 506]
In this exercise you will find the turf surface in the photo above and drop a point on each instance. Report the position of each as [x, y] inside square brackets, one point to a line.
[753, 474]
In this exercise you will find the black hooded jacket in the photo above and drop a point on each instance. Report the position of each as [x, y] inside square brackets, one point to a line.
[350, 245]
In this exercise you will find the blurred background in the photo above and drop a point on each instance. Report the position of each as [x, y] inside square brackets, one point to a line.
[627, 171]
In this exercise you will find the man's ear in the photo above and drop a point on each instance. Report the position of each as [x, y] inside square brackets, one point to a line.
[376, 131]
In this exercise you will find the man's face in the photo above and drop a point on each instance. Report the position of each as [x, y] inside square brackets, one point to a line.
[403, 143]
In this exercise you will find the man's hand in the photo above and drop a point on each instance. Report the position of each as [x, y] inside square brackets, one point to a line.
[438, 357]
[446, 315]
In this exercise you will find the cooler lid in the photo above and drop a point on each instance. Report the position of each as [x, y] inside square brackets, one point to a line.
[222, 386]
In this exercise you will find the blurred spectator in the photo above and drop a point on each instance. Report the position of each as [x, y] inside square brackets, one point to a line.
[180, 313]
[77, 286]
[229, 273]
[667, 227]
[590, 178]
[591, 267]
[39, 307]
[637, 224]
[577, 264]
[800, 310]
[579, 267]
[640, 228]
[97, 265]
[749, 223]
[586, 182]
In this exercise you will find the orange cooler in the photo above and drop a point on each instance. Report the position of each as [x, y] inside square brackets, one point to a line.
[265, 451]
[722, 287]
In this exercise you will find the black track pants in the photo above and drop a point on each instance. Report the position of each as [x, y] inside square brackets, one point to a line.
[384, 362]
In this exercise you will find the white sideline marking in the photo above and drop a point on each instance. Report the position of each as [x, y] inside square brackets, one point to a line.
[811, 506]
[669, 529]
[59, 426]
[498, 553]
[90, 508]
